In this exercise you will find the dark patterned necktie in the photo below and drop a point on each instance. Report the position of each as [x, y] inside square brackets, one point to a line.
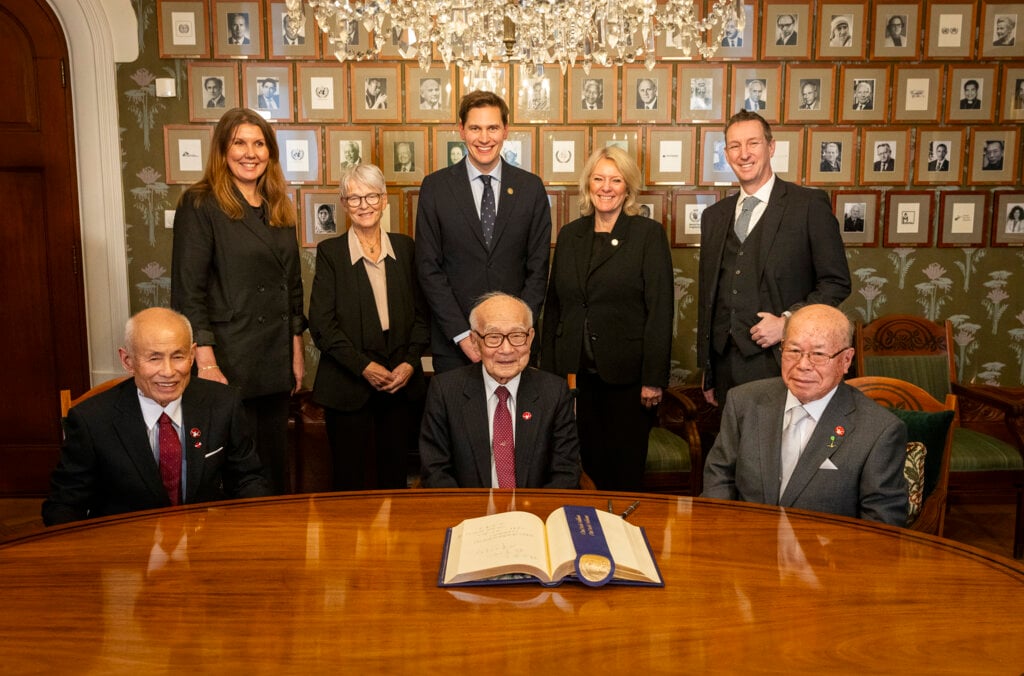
[488, 210]
[170, 459]
[503, 445]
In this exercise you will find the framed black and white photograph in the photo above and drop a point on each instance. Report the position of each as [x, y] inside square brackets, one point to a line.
[1000, 22]
[186, 149]
[701, 93]
[300, 154]
[290, 37]
[403, 155]
[885, 156]
[970, 94]
[493, 77]
[857, 213]
[268, 89]
[562, 154]
[1008, 218]
[429, 95]
[787, 30]
[653, 204]
[323, 92]
[917, 94]
[787, 161]
[237, 30]
[993, 155]
[810, 93]
[939, 154]
[517, 149]
[355, 44]
[908, 218]
[897, 27]
[393, 217]
[321, 215]
[346, 146]
[449, 148]
[592, 96]
[1013, 95]
[842, 30]
[962, 219]
[758, 90]
[714, 163]
[669, 158]
[212, 90]
[687, 208]
[376, 95]
[539, 95]
[950, 30]
[182, 29]
[626, 138]
[864, 94]
[646, 94]
[831, 156]
[734, 43]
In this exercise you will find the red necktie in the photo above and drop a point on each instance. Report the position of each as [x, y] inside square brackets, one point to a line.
[503, 445]
[170, 459]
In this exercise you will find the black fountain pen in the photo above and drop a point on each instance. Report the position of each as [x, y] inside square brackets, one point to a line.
[631, 509]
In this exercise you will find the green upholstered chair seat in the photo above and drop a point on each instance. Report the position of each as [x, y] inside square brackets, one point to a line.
[977, 452]
[667, 452]
[929, 372]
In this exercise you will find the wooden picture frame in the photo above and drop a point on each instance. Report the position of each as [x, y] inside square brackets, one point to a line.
[828, 148]
[429, 95]
[1001, 35]
[940, 151]
[399, 148]
[347, 146]
[833, 41]
[204, 103]
[713, 165]
[787, 161]
[897, 31]
[391, 49]
[864, 95]
[885, 156]
[392, 219]
[962, 218]
[908, 218]
[375, 93]
[627, 138]
[517, 149]
[291, 40]
[637, 81]
[355, 48]
[605, 85]
[950, 30]
[857, 213]
[917, 94]
[1008, 218]
[787, 30]
[961, 83]
[556, 204]
[186, 149]
[1013, 95]
[182, 29]
[742, 45]
[810, 93]
[670, 154]
[449, 148]
[993, 156]
[323, 92]
[653, 204]
[701, 90]
[268, 90]
[758, 90]
[301, 159]
[238, 30]
[312, 201]
[412, 203]
[539, 96]
[572, 205]
[492, 77]
[563, 151]
[687, 208]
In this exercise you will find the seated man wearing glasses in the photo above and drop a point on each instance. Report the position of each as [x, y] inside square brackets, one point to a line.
[500, 425]
[807, 439]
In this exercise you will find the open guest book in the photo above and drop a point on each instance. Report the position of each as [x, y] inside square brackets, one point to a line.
[582, 544]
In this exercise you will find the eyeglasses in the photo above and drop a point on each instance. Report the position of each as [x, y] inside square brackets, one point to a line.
[816, 358]
[493, 340]
[373, 199]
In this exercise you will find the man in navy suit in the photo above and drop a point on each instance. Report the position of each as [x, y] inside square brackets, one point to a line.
[807, 439]
[458, 259]
[460, 442]
[111, 459]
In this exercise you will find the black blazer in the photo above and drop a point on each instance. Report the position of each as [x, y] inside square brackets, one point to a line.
[344, 324]
[802, 259]
[239, 284]
[626, 294]
[107, 465]
[453, 263]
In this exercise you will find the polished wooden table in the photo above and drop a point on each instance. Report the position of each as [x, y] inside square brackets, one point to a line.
[347, 582]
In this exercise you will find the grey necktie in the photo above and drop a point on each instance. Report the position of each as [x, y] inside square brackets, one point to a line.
[743, 221]
[792, 445]
[488, 212]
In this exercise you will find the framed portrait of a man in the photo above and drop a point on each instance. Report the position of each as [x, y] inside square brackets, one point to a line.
[212, 89]
[293, 37]
[237, 30]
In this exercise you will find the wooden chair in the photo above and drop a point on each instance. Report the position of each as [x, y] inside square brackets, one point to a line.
[66, 402]
[987, 458]
[675, 460]
[930, 488]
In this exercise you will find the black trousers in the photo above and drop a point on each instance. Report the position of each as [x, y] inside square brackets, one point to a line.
[268, 424]
[732, 368]
[613, 429]
[370, 446]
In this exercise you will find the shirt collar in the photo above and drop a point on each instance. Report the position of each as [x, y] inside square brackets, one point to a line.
[474, 172]
[815, 408]
[490, 384]
[762, 193]
[356, 253]
[151, 411]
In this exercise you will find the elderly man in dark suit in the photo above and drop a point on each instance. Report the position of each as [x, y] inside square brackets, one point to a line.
[765, 251]
[482, 225]
[157, 440]
[808, 440]
[502, 425]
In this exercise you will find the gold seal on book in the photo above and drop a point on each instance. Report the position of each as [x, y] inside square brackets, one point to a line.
[594, 567]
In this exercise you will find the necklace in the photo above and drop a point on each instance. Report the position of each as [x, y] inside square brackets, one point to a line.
[370, 248]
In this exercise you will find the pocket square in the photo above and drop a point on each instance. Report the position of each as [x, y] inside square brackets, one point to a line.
[828, 464]
[214, 452]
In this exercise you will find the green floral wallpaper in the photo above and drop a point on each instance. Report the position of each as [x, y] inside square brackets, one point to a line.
[981, 290]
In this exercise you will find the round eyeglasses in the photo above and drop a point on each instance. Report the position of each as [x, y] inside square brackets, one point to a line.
[493, 340]
[373, 199]
[816, 358]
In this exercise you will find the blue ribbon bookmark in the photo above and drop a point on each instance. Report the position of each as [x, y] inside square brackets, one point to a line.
[594, 564]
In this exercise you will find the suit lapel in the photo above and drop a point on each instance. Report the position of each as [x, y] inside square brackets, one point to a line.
[259, 229]
[717, 233]
[506, 201]
[476, 424]
[526, 427]
[462, 197]
[195, 415]
[618, 235]
[769, 423]
[770, 222]
[821, 444]
[131, 430]
[582, 250]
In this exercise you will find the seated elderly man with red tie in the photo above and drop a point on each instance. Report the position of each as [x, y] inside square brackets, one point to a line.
[158, 440]
[499, 425]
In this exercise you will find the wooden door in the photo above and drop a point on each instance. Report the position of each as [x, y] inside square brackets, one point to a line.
[42, 309]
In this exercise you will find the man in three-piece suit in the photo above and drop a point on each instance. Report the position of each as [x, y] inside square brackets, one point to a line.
[808, 440]
[472, 238]
[157, 440]
[788, 254]
[501, 425]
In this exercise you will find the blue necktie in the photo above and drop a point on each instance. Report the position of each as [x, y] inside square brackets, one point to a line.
[488, 211]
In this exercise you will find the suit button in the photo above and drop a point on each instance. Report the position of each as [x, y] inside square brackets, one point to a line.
[284, 317]
[260, 319]
[737, 272]
[584, 305]
[593, 338]
[734, 292]
[260, 288]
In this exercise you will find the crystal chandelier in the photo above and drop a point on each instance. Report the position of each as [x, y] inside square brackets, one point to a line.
[474, 33]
